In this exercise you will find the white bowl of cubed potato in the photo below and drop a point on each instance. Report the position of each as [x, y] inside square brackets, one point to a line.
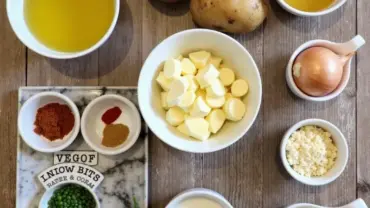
[199, 91]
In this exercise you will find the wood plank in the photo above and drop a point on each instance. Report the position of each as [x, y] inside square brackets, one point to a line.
[120, 58]
[42, 71]
[363, 100]
[236, 172]
[282, 35]
[12, 75]
[171, 171]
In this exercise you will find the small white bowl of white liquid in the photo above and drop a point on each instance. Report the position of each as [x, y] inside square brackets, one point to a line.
[199, 197]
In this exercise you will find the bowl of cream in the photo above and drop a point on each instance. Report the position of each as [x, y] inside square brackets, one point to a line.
[199, 197]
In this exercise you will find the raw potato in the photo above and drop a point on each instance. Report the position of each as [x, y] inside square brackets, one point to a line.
[180, 57]
[215, 61]
[235, 16]
[200, 93]
[187, 67]
[182, 128]
[217, 102]
[175, 116]
[239, 88]
[234, 109]
[216, 120]
[164, 100]
[193, 84]
[227, 76]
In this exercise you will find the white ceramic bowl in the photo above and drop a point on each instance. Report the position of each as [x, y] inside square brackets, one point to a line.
[49, 193]
[92, 126]
[234, 55]
[15, 11]
[339, 48]
[199, 193]
[27, 116]
[340, 163]
[335, 5]
[358, 203]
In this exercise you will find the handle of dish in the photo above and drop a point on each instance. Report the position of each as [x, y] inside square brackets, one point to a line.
[351, 46]
[358, 203]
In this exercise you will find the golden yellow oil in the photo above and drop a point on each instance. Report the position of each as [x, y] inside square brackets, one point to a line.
[69, 25]
[310, 5]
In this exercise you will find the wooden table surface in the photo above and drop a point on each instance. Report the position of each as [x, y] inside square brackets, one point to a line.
[249, 173]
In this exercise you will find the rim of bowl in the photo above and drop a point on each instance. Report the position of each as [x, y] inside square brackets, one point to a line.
[298, 92]
[123, 148]
[70, 55]
[199, 192]
[295, 11]
[255, 67]
[303, 205]
[64, 184]
[315, 122]
[75, 129]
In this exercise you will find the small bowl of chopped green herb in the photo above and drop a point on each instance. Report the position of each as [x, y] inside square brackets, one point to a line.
[69, 196]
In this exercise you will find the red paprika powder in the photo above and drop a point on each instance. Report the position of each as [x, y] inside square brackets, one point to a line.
[111, 115]
[54, 121]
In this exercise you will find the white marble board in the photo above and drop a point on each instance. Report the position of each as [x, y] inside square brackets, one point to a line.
[125, 175]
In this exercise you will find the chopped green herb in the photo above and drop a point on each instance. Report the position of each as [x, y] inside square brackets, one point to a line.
[72, 196]
[136, 204]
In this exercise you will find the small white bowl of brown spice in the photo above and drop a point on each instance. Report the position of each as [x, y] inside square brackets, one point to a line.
[48, 122]
[110, 124]
[314, 152]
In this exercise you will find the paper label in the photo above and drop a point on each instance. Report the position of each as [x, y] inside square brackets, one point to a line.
[83, 157]
[70, 173]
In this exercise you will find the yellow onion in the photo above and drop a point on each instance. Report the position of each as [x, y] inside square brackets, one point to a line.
[317, 71]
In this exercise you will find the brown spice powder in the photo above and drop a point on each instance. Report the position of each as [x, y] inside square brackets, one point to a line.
[54, 121]
[115, 134]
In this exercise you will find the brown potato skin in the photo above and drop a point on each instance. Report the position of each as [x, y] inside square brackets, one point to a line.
[234, 16]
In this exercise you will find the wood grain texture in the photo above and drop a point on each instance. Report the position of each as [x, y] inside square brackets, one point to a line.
[363, 103]
[12, 75]
[249, 173]
[51, 72]
[120, 58]
[281, 109]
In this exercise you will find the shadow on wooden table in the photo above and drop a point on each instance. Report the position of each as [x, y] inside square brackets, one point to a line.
[305, 24]
[171, 9]
[109, 56]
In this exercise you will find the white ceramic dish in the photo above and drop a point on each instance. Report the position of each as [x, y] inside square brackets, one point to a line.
[339, 48]
[27, 115]
[202, 194]
[15, 11]
[92, 126]
[334, 6]
[49, 193]
[340, 163]
[358, 203]
[235, 56]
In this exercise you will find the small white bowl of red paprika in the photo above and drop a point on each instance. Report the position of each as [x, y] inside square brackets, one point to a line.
[49, 122]
[110, 124]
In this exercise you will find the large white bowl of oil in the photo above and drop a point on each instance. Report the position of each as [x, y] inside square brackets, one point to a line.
[40, 38]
